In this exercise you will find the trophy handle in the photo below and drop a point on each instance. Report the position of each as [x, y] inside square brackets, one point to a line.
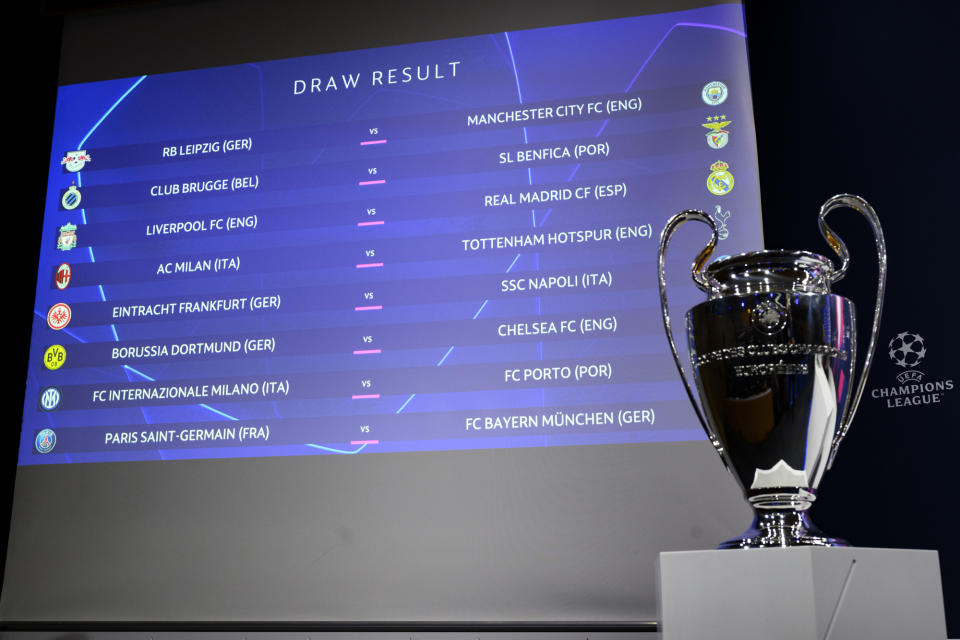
[701, 281]
[861, 205]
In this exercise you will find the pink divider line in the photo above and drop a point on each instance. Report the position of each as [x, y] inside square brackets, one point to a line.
[369, 265]
[364, 183]
[364, 442]
[370, 224]
[364, 352]
[370, 308]
[370, 396]
[366, 142]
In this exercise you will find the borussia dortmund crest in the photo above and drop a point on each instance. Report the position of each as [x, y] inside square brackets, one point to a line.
[718, 136]
[720, 181]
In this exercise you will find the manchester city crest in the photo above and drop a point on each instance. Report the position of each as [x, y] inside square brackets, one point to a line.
[73, 161]
[720, 181]
[718, 136]
[714, 93]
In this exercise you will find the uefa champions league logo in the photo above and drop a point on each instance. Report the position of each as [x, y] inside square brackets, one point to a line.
[907, 350]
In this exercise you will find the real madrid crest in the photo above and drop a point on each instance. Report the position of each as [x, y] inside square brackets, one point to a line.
[720, 181]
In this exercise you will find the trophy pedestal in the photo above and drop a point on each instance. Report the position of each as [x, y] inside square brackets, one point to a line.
[800, 593]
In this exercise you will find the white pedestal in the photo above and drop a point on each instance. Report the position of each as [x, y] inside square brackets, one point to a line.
[806, 593]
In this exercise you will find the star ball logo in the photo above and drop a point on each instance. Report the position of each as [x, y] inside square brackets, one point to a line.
[906, 351]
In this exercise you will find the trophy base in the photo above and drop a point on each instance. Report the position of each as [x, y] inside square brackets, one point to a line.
[782, 528]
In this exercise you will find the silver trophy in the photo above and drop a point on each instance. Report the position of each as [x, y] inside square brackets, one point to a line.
[773, 354]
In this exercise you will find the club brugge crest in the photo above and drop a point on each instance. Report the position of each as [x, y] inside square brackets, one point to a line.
[720, 181]
[71, 198]
[45, 441]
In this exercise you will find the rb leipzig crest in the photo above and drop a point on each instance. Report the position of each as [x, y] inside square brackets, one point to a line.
[73, 161]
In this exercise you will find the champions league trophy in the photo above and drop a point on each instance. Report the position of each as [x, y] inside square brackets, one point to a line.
[773, 354]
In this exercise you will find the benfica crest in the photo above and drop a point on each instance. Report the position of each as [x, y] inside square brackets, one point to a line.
[718, 136]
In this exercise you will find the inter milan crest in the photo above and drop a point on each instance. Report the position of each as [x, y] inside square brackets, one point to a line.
[718, 136]
[720, 181]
